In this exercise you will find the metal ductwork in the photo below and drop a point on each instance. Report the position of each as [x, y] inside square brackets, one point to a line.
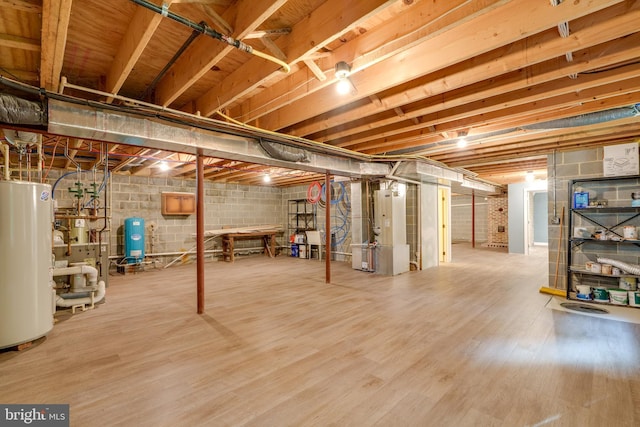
[93, 123]
[568, 122]
[587, 119]
[17, 111]
[282, 152]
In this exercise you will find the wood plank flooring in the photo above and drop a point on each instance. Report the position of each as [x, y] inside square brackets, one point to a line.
[469, 343]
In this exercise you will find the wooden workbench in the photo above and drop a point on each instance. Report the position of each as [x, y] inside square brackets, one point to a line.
[268, 240]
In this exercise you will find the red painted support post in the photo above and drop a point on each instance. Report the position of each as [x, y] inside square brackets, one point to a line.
[327, 192]
[200, 232]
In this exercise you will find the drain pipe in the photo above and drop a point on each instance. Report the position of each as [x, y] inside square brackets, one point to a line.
[69, 300]
[177, 55]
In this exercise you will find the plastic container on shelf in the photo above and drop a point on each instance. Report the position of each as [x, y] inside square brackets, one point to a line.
[600, 294]
[634, 298]
[619, 296]
[628, 283]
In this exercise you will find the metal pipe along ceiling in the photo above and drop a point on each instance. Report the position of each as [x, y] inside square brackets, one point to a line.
[206, 30]
[568, 122]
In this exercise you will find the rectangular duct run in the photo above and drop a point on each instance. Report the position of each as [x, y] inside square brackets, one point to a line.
[87, 122]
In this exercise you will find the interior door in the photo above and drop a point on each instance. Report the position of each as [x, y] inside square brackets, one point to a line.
[444, 221]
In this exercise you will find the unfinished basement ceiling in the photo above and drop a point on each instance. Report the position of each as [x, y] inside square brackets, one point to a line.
[518, 78]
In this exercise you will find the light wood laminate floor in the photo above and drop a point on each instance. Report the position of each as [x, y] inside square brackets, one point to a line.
[469, 343]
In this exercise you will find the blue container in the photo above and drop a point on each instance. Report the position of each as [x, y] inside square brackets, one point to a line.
[580, 200]
[134, 240]
[294, 250]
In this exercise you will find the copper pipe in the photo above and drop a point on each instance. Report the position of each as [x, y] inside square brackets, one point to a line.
[327, 238]
[200, 232]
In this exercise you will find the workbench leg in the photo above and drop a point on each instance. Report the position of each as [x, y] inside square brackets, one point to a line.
[272, 240]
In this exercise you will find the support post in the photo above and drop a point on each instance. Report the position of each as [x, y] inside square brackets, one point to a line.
[327, 238]
[473, 219]
[200, 232]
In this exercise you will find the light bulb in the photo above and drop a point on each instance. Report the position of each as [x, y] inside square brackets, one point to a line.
[266, 178]
[164, 166]
[462, 142]
[529, 177]
[343, 86]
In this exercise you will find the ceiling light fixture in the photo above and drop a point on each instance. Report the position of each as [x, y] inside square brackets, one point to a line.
[164, 166]
[462, 138]
[343, 71]
[529, 177]
[266, 178]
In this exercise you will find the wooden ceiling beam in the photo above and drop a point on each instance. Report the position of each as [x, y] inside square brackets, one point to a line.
[397, 35]
[513, 21]
[206, 52]
[55, 25]
[22, 75]
[239, 170]
[592, 30]
[417, 139]
[16, 42]
[328, 22]
[157, 158]
[492, 110]
[111, 148]
[224, 167]
[536, 81]
[131, 159]
[600, 131]
[30, 6]
[139, 32]
[541, 145]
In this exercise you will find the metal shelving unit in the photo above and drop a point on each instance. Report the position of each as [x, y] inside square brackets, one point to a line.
[609, 220]
[302, 216]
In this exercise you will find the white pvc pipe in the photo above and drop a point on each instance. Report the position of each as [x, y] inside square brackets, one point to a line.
[66, 303]
[90, 272]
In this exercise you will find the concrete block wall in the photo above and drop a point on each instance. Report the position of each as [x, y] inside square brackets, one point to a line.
[226, 205]
[461, 210]
[568, 165]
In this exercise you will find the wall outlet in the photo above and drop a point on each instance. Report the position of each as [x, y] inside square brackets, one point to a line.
[555, 220]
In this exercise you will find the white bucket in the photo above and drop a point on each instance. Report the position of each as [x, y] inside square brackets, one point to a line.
[629, 232]
[618, 296]
[583, 289]
[634, 298]
[302, 251]
[628, 283]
